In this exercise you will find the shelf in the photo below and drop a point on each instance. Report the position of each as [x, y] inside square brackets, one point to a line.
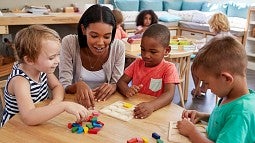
[250, 54]
[251, 65]
[251, 38]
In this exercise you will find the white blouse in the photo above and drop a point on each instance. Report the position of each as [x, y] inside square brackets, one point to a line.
[93, 78]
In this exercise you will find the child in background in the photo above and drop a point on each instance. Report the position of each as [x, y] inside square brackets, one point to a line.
[233, 119]
[120, 33]
[219, 25]
[144, 19]
[151, 75]
[38, 48]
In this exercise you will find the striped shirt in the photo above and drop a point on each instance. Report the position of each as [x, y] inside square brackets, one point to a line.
[38, 92]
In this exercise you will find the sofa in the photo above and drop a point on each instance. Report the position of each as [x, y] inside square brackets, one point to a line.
[188, 17]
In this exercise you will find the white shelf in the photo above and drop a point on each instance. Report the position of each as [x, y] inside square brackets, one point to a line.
[252, 22]
[251, 65]
[250, 41]
[250, 54]
[251, 38]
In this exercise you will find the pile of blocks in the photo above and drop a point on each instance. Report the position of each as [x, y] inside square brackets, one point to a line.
[145, 140]
[92, 125]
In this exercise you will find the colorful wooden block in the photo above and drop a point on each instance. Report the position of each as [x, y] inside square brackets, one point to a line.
[155, 136]
[145, 140]
[133, 140]
[159, 141]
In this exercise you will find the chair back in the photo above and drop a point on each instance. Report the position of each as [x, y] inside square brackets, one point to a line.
[2, 85]
[182, 63]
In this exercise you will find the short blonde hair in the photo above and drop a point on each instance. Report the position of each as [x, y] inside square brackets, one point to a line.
[222, 54]
[219, 22]
[28, 41]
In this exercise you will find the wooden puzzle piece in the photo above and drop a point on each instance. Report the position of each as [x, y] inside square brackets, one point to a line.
[120, 110]
[175, 136]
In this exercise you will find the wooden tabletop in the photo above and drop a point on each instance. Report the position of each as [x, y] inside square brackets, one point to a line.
[113, 131]
[28, 18]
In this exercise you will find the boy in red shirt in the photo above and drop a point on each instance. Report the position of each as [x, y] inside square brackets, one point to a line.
[151, 75]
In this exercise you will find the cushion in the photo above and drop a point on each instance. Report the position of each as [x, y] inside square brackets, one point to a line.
[125, 5]
[129, 16]
[237, 22]
[201, 17]
[190, 5]
[166, 17]
[169, 18]
[155, 5]
[185, 15]
[237, 10]
[214, 7]
[172, 4]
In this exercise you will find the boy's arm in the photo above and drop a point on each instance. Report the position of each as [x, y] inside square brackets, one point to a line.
[56, 88]
[166, 98]
[122, 84]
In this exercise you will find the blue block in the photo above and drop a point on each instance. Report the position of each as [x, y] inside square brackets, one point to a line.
[155, 136]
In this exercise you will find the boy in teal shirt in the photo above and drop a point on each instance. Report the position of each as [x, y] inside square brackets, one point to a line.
[221, 65]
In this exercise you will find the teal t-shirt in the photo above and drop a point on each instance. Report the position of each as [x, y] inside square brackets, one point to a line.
[233, 122]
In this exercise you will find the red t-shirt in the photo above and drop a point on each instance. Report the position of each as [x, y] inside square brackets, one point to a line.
[152, 78]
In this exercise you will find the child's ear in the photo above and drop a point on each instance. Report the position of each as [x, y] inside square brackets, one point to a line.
[167, 50]
[27, 60]
[227, 77]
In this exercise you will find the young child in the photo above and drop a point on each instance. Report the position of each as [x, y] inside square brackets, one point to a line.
[144, 19]
[151, 75]
[219, 25]
[38, 48]
[120, 33]
[221, 65]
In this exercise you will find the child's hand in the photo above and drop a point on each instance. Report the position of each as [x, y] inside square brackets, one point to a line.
[133, 90]
[143, 110]
[192, 114]
[185, 127]
[79, 111]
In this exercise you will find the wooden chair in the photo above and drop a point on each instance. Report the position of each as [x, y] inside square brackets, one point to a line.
[6, 69]
[2, 85]
[182, 62]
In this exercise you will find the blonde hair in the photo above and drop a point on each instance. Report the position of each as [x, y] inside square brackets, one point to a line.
[28, 41]
[219, 22]
[222, 54]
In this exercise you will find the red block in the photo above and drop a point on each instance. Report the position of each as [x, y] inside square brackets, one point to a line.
[99, 122]
[69, 125]
[93, 131]
[133, 140]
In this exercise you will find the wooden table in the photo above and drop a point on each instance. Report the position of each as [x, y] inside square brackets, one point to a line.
[114, 130]
[173, 54]
[29, 19]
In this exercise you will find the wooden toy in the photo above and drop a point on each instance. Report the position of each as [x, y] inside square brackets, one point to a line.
[119, 111]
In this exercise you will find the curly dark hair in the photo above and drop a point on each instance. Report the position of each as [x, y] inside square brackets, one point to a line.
[141, 15]
[94, 14]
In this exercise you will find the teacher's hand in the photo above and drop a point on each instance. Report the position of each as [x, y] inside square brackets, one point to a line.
[104, 91]
[84, 95]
